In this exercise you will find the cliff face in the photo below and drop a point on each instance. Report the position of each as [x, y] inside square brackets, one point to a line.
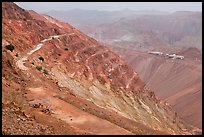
[88, 70]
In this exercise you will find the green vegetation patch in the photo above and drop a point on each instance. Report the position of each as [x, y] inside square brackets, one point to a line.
[39, 68]
[66, 49]
[10, 47]
[41, 58]
[3, 51]
[45, 71]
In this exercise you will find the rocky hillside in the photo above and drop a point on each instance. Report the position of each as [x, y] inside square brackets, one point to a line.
[60, 67]
[179, 82]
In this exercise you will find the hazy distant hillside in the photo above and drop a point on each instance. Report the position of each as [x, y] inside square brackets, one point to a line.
[80, 18]
[177, 29]
[58, 80]
[139, 28]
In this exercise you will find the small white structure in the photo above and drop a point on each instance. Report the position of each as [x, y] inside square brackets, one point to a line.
[171, 56]
[174, 56]
[155, 52]
[178, 57]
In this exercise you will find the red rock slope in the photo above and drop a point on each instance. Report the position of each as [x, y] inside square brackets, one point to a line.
[179, 82]
[86, 69]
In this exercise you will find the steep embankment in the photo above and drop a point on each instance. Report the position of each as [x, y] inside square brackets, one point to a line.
[179, 82]
[78, 65]
[75, 73]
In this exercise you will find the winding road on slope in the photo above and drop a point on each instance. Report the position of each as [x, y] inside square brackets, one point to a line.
[63, 110]
[21, 61]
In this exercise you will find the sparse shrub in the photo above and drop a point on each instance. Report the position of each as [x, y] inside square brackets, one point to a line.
[33, 63]
[10, 47]
[4, 51]
[9, 63]
[39, 68]
[101, 80]
[45, 71]
[16, 55]
[41, 58]
[59, 54]
[66, 49]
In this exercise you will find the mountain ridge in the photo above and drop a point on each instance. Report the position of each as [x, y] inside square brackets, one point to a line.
[88, 70]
